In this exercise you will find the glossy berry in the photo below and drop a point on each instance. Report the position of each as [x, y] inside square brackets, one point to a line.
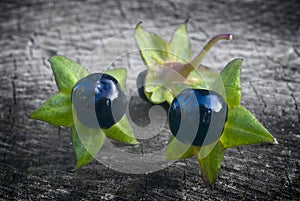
[197, 116]
[98, 101]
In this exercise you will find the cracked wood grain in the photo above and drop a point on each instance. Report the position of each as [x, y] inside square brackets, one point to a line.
[37, 160]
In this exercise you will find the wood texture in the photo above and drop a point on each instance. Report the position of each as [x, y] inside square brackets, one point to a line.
[37, 160]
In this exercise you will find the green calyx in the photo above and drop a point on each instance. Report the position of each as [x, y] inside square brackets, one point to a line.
[163, 84]
[170, 71]
[170, 63]
[58, 111]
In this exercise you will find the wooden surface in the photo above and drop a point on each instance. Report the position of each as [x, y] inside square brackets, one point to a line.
[37, 160]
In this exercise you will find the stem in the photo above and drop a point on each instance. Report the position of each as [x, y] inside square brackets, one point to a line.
[197, 60]
[207, 47]
[196, 150]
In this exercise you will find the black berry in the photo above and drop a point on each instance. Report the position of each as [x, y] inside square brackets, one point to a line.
[197, 116]
[98, 100]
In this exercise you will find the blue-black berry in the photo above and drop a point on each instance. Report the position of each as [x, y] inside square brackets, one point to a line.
[197, 116]
[98, 100]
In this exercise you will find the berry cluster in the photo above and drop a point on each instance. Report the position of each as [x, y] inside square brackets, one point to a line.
[196, 116]
[204, 111]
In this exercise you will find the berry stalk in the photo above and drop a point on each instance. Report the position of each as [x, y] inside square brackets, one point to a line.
[197, 60]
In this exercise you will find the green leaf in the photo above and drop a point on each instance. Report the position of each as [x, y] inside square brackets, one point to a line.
[66, 72]
[180, 47]
[168, 96]
[206, 78]
[157, 95]
[160, 83]
[83, 157]
[231, 79]
[56, 110]
[177, 150]
[178, 87]
[121, 131]
[195, 80]
[202, 77]
[119, 74]
[243, 128]
[204, 151]
[86, 143]
[211, 164]
[153, 49]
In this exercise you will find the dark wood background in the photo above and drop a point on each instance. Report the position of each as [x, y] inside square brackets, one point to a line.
[37, 160]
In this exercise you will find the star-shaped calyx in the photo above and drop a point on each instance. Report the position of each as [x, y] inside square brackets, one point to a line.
[171, 70]
[59, 111]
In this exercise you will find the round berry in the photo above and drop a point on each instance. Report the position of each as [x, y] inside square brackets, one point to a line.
[197, 116]
[98, 100]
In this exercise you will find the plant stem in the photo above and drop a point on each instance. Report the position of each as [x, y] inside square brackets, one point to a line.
[197, 60]
[196, 150]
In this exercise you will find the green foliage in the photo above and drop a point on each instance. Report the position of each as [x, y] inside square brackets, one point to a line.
[157, 54]
[180, 47]
[66, 73]
[86, 143]
[58, 111]
[167, 65]
[121, 131]
[243, 128]
[231, 80]
[166, 78]
[153, 49]
[177, 150]
[211, 164]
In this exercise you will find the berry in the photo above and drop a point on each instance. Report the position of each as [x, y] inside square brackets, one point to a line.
[197, 116]
[98, 101]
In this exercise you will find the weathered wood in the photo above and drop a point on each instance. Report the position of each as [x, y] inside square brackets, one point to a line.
[36, 159]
